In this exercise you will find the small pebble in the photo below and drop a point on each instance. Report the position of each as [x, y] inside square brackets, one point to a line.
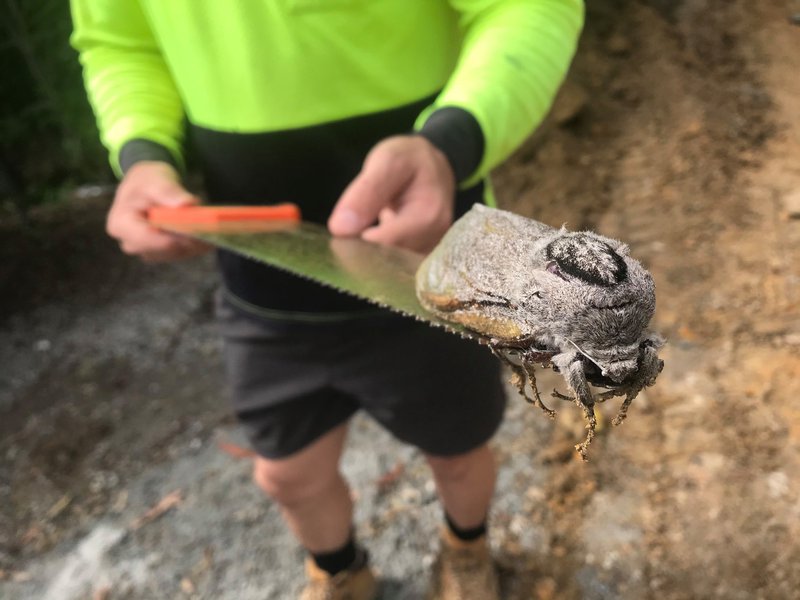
[618, 44]
[571, 101]
[42, 345]
[791, 204]
[777, 484]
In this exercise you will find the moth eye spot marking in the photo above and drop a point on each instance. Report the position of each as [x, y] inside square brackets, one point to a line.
[586, 258]
[552, 267]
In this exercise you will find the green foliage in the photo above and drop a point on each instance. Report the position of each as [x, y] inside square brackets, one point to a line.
[48, 139]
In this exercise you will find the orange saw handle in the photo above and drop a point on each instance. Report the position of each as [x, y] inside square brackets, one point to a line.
[189, 215]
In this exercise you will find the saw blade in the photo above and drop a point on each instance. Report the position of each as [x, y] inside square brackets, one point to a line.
[382, 275]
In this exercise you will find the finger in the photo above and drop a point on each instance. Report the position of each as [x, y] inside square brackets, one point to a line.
[141, 238]
[418, 223]
[382, 179]
[408, 228]
[164, 193]
[169, 193]
[167, 189]
[387, 214]
[392, 232]
[186, 248]
[384, 224]
[131, 207]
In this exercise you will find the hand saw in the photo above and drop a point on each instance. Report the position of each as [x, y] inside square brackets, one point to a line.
[276, 236]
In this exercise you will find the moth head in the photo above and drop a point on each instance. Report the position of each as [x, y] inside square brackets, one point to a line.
[599, 300]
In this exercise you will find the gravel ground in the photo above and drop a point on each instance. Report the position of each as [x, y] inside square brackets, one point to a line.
[217, 536]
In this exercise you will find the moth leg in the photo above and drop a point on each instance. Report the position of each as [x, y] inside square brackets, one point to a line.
[576, 379]
[559, 396]
[531, 371]
[519, 377]
[603, 396]
[598, 398]
[591, 427]
[623, 409]
[649, 368]
[517, 372]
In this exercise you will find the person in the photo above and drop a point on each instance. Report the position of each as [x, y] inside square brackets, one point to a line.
[382, 119]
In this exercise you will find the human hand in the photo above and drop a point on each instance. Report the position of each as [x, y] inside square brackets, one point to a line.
[408, 187]
[148, 184]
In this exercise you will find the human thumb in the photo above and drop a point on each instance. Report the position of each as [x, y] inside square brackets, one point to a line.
[357, 208]
[174, 194]
[377, 185]
[346, 222]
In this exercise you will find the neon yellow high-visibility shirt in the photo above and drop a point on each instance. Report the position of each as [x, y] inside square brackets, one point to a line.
[267, 65]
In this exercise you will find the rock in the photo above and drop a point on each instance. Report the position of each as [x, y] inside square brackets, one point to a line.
[42, 345]
[791, 205]
[769, 327]
[792, 339]
[777, 484]
[546, 588]
[693, 128]
[793, 12]
[626, 94]
[618, 45]
[570, 102]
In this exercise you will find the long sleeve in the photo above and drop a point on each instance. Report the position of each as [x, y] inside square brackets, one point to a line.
[129, 85]
[514, 56]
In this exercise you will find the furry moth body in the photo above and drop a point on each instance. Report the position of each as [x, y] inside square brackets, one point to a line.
[575, 301]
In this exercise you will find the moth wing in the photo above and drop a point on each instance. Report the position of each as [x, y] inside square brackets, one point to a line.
[486, 250]
[478, 271]
[500, 324]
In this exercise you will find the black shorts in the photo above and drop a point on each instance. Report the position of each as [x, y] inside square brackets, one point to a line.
[292, 382]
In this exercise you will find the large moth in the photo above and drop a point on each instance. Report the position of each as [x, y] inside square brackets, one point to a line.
[575, 301]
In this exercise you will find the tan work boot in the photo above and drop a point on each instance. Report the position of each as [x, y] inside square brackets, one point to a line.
[357, 584]
[464, 570]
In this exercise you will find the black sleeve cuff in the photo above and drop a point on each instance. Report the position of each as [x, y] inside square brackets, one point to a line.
[458, 135]
[139, 150]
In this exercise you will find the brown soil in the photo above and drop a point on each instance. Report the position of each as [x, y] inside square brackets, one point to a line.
[687, 148]
[678, 134]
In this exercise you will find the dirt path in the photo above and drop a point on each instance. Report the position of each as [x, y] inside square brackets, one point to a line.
[688, 150]
[678, 134]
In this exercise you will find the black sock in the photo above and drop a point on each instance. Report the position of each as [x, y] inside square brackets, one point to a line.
[466, 535]
[338, 560]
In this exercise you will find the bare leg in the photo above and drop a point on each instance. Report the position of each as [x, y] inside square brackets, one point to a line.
[313, 496]
[465, 484]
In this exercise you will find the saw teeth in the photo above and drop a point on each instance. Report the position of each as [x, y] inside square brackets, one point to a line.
[433, 321]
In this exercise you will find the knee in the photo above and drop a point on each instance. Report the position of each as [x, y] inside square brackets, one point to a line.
[458, 467]
[289, 486]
